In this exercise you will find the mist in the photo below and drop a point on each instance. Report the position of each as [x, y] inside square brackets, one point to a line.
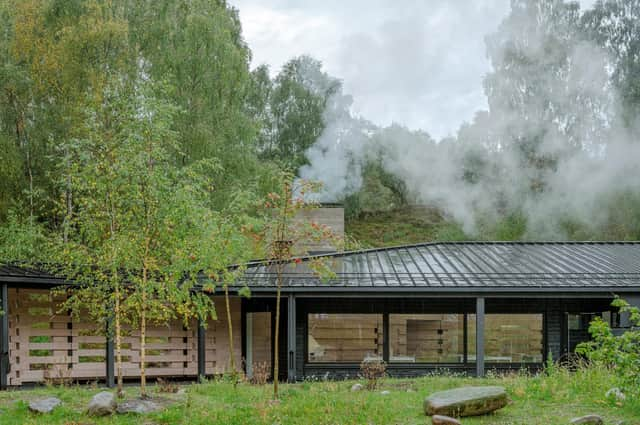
[551, 146]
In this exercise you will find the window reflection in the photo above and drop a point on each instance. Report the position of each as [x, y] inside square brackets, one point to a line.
[508, 338]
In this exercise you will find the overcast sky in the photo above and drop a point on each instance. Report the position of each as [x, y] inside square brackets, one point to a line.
[420, 64]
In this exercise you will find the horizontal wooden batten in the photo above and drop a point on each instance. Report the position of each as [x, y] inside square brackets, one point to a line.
[44, 344]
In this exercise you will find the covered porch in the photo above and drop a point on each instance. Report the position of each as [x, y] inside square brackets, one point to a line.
[466, 307]
[330, 336]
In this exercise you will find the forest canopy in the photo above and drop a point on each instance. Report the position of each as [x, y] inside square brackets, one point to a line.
[553, 157]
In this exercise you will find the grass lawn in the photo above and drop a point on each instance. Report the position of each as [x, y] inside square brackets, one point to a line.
[539, 399]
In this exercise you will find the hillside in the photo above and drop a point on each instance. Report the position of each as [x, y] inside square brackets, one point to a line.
[403, 226]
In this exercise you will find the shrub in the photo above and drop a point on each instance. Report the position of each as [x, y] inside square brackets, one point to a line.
[619, 353]
[261, 373]
[166, 386]
[373, 371]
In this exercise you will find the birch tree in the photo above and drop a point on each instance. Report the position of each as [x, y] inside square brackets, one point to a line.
[285, 236]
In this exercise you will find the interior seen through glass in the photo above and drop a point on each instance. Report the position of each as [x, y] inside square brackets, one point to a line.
[344, 337]
[424, 338]
[508, 338]
[258, 337]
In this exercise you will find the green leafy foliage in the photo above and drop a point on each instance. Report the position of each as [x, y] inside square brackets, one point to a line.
[618, 353]
[290, 109]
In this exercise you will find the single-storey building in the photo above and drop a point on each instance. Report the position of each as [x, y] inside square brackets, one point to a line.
[468, 307]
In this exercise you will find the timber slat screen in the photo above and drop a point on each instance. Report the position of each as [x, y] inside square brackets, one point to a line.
[45, 345]
[217, 338]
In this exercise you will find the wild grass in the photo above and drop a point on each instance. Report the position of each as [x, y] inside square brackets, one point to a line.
[549, 398]
[403, 226]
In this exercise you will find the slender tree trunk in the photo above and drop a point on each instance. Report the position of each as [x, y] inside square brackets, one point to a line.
[143, 334]
[23, 141]
[118, 332]
[232, 359]
[143, 329]
[282, 254]
[117, 312]
[69, 203]
[276, 356]
[31, 202]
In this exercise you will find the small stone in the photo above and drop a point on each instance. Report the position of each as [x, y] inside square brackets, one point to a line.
[356, 387]
[138, 406]
[181, 391]
[588, 420]
[102, 404]
[385, 392]
[616, 394]
[45, 405]
[444, 420]
[466, 401]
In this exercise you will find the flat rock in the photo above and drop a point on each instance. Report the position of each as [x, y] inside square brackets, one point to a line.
[466, 401]
[356, 387]
[102, 404]
[444, 420]
[45, 405]
[588, 420]
[138, 406]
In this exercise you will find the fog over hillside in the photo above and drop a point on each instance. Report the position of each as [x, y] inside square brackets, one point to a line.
[551, 145]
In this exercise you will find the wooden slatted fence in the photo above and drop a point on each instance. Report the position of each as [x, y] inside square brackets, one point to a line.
[45, 345]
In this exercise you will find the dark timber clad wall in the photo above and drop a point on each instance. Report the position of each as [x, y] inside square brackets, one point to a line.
[553, 310]
[553, 333]
[301, 335]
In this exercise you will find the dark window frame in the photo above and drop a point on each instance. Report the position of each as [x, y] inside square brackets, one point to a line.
[466, 364]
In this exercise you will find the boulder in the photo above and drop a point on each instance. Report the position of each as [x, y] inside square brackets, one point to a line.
[466, 401]
[616, 394]
[102, 404]
[45, 405]
[444, 420]
[356, 387]
[138, 406]
[588, 420]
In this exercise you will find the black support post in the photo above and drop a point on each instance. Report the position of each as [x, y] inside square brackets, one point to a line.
[465, 339]
[110, 356]
[291, 338]
[480, 337]
[4, 337]
[202, 339]
[385, 337]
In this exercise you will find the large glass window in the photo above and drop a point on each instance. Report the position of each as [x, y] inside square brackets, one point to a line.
[508, 338]
[426, 338]
[344, 337]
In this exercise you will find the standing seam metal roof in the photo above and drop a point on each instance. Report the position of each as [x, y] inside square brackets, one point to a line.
[471, 265]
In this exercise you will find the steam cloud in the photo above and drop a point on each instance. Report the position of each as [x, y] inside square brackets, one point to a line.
[572, 114]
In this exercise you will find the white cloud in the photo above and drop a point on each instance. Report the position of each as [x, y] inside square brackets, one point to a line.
[415, 62]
